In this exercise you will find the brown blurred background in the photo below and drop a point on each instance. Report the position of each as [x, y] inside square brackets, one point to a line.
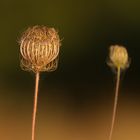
[76, 101]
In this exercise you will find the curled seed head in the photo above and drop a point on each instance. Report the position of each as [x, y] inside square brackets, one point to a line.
[39, 47]
[118, 57]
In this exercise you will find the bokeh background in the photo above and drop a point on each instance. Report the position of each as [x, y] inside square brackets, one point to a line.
[76, 101]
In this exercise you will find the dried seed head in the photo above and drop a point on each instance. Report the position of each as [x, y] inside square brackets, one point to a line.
[118, 57]
[39, 48]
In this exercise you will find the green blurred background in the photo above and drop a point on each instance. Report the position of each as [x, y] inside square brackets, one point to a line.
[76, 101]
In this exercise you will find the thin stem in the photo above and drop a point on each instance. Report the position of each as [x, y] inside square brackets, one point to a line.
[115, 103]
[35, 105]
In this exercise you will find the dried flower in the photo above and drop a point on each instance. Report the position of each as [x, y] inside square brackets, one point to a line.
[39, 46]
[118, 57]
[118, 60]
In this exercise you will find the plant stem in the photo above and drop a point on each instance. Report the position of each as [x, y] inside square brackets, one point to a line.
[115, 103]
[35, 105]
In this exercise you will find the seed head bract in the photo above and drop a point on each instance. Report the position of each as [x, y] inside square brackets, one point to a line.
[118, 57]
[39, 48]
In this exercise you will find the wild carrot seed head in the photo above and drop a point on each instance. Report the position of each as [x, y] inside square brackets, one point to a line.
[39, 48]
[118, 57]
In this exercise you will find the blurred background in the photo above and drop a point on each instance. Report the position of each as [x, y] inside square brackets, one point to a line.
[76, 101]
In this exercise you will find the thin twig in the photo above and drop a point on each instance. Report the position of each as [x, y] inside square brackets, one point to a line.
[115, 103]
[35, 105]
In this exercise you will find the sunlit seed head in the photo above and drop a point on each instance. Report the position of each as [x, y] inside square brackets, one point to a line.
[39, 46]
[118, 57]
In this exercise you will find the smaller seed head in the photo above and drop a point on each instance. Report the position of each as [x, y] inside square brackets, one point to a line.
[118, 57]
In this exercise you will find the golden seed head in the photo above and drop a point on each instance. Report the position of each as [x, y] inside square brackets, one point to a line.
[39, 48]
[118, 57]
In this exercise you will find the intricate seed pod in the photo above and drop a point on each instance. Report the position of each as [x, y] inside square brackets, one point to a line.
[39, 48]
[118, 57]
